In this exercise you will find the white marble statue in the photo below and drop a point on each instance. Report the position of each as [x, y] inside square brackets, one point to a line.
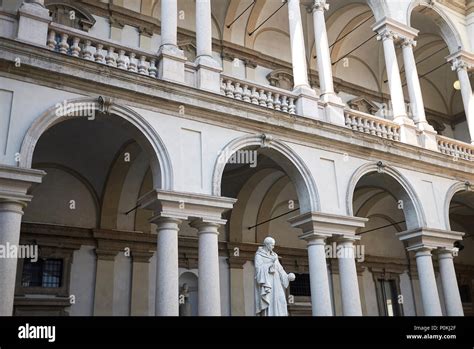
[270, 281]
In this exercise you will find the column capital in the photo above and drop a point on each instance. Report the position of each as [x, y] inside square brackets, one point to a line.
[422, 251]
[15, 183]
[346, 240]
[318, 5]
[458, 64]
[207, 226]
[420, 239]
[443, 253]
[388, 28]
[386, 34]
[408, 42]
[184, 206]
[141, 256]
[320, 224]
[461, 60]
[105, 255]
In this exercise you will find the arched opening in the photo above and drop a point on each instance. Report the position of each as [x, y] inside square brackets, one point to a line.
[440, 87]
[385, 198]
[357, 58]
[271, 185]
[461, 218]
[99, 158]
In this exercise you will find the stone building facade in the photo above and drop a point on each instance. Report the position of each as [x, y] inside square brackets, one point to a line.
[148, 144]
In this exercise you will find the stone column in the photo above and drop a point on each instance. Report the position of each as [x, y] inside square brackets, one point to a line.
[167, 275]
[140, 283]
[452, 298]
[104, 283]
[169, 23]
[203, 28]
[334, 108]
[351, 305]
[171, 58]
[393, 73]
[429, 289]
[317, 226]
[461, 67]
[208, 70]
[318, 273]
[388, 31]
[170, 209]
[11, 212]
[236, 265]
[209, 296]
[413, 83]
[14, 184]
[306, 104]
[322, 52]
[416, 98]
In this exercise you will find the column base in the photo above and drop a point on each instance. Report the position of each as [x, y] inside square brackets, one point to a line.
[333, 109]
[428, 136]
[171, 64]
[307, 102]
[33, 23]
[208, 74]
[408, 130]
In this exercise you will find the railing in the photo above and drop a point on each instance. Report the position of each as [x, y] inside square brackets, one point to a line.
[264, 96]
[76, 43]
[455, 148]
[373, 125]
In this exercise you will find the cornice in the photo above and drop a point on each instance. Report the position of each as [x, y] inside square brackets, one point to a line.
[463, 7]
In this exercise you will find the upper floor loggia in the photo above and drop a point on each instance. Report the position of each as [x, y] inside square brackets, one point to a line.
[400, 70]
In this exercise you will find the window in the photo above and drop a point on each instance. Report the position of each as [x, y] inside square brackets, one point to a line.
[388, 298]
[46, 273]
[301, 286]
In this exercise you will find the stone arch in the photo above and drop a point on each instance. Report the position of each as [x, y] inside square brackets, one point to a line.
[148, 138]
[413, 202]
[379, 8]
[283, 155]
[448, 31]
[453, 190]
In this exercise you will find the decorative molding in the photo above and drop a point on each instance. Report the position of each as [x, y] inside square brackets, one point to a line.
[461, 60]
[186, 205]
[319, 224]
[388, 28]
[281, 78]
[364, 105]
[428, 238]
[160, 160]
[165, 97]
[61, 11]
[15, 183]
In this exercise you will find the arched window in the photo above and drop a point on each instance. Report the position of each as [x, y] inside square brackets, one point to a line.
[71, 14]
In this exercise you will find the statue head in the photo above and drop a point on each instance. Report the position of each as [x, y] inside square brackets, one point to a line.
[269, 243]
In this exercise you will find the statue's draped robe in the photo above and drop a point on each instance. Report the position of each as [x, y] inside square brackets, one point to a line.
[270, 284]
